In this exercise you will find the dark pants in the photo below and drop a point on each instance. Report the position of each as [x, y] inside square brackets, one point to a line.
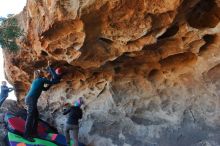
[31, 121]
[2, 99]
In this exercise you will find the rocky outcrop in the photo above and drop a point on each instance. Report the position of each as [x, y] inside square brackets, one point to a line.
[148, 69]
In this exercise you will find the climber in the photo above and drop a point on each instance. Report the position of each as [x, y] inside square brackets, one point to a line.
[31, 99]
[4, 92]
[55, 73]
[72, 124]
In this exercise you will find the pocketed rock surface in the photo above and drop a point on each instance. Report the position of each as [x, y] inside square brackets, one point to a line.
[149, 70]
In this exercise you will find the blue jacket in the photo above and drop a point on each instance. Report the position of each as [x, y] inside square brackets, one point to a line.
[55, 77]
[5, 90]
[37, 87]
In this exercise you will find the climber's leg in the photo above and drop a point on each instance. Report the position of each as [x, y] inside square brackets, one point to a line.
[2, 100]
[35, 122]
[29, 122]
[75, 132]
[67, 132]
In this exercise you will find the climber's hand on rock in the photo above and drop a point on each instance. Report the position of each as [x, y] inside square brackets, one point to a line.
[48, 63]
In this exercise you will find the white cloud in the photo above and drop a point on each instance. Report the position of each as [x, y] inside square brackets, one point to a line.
[9, 7]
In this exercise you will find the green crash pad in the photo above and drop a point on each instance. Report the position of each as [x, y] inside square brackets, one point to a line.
[79, 144]
[15, 140]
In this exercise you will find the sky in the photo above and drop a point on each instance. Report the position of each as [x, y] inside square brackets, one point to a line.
[9, 7]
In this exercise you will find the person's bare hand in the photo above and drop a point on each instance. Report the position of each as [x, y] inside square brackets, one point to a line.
[48, 63]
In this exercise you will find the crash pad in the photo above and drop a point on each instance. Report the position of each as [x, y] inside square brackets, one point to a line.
[16, 140]
[43, 124]
[8, 116]
[57, 138]
[17, 125]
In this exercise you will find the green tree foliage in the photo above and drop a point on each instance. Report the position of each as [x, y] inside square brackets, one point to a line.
[9, 32]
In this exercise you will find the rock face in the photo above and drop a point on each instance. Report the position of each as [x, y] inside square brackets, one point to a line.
[149, 70]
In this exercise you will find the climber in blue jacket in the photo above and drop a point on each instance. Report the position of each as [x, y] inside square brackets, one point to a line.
[4, 92]
[31, 99]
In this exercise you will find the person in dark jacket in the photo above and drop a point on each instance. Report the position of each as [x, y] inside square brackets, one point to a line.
[56, 74]
[72, 124]
[31, 99]
[4, 92]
